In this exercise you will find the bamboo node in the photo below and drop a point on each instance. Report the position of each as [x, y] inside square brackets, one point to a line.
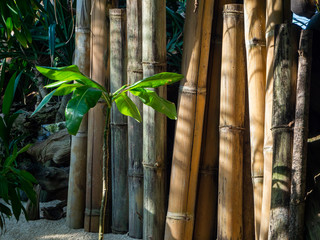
[92, 212]
[134, 70]
[133, 174]
[155, 63]
[192, 90]
[231, 128]
[82, 30]
[270, 33]
[210, 171]
[179, 216]
[255, 42]
[155, 165]
[217, 39]
[288, 127]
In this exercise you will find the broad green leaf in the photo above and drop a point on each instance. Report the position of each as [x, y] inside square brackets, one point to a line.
[66, 89]
[159, 104]
[28, 176]
[82, 100]
[44, 101]
[4, 209]
[68, 73]
[15, 202]
[127, 107]
[57, 84]
[3, 188]
[10, 92]
[157, 80]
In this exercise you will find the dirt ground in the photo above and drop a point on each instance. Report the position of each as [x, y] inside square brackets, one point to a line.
[49, 230]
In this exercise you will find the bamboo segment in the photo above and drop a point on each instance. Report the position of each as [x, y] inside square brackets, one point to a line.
[232, 111]
[78, 155]
[282, 120]
[154, 123]
[96, 116]
[187, 145]
[254, 20]
[206, 209]
[135, 129]
[299, 159]
[277, 11]
[119, 122]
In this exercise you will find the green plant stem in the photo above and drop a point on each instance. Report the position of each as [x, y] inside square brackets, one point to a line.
[104, 174]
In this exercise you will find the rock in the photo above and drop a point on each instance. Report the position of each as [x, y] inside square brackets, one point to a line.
[54, 213]
[55, 148]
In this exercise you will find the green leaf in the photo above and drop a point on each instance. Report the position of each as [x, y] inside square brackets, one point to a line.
[28, 176]
[66, 89]
[4, 209]
[159, 104]
[9, 25]
[157, 80]
[57, 84]
[4, 188]
[3, 72]
[52, 40]
[127, 107]
[21, 38]
[15, 202]
[10, 92]
[24, 149]
[44, 101]
[68, 73]
[27, 187]
[82, 100]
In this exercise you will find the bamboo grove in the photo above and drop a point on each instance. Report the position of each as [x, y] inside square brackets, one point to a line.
[238, 169]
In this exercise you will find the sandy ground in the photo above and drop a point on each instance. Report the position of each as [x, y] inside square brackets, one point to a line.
[49, 230]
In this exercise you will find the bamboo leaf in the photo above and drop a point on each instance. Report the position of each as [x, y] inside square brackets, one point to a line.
[44, 101]
[127, 107]
[82, 100]
[68, 73]
[52, 40]
[15, 202]
[4, 209]
[3, 72]
[10, 92]
[24, 149]
[157, 80]
[28, 176]
[153, 100]
[4, 188]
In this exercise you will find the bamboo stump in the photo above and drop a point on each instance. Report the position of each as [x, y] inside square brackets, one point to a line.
[119, 122]
[299, 159]
[78, 155]
[135, 129]
[154, 123]
[282, 121]
[232, 112]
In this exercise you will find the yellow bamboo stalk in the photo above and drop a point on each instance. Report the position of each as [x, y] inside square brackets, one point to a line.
[254, 20]
[187, 146]
[277, 11]
[206, 208]
[78, 155]
[232, 111]
[96, 116]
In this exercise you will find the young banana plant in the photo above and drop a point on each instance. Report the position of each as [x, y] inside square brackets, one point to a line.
[86, 94]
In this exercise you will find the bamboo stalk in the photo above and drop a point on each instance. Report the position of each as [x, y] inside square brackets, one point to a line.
[187, 145]
[232, 111]
[206, 208]
[96, 116]
[154, 124]
[282, 120]
[254, 20]
[78, 155]
[277, 11]
[119, 123]
[299, 159]
[135, 129]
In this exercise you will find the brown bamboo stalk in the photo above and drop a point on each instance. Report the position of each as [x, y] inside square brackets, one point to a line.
[232, 111]
[96, 116]
[277, 11]
[135, 129]
[206, 208]
[187, 146]
[282, 120]
[154, 123]
[254, 20]
[299, 159]
[78, 155]
[119, 123]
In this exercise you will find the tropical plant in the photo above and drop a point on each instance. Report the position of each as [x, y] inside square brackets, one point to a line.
[86, 94]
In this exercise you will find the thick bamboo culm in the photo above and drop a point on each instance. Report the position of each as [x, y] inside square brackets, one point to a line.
[300, 136]
[277, 11]
[96, 116]
[232, 112]
[282, 121]
[135, 129]
[188, 136]
[154, 123]
[78, 155]
[119, 123]
[206, 208]
[254, 20]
